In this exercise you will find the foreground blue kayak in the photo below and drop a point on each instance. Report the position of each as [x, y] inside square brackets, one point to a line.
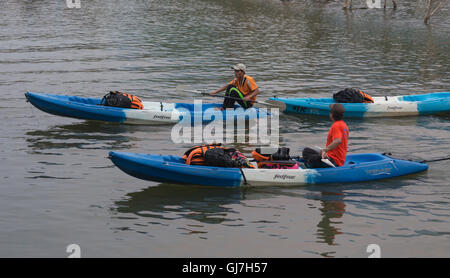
[154, 113]
[388, 106]
[172, 169]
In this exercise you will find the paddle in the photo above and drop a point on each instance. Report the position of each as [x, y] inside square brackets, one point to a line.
[277, 104]
[328, 162]
[325, 160]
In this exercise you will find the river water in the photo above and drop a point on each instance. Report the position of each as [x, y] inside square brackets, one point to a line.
[58, 187]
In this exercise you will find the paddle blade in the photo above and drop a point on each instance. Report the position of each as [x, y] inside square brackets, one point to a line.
[276, 103]
[328, 162]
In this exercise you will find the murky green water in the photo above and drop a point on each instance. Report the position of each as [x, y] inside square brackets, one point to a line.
[58, 187]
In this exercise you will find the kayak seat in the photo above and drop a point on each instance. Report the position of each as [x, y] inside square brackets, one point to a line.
[363, 157]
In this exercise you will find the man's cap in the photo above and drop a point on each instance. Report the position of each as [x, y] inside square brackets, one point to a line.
[337, 107]
[239, 67]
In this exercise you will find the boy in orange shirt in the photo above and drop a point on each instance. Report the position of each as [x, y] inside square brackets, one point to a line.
[336, 147]
[242, 87]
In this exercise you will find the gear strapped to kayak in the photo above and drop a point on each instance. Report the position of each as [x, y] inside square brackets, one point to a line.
[216, 155]
[123, 100]
[350, 95]
[278, 160]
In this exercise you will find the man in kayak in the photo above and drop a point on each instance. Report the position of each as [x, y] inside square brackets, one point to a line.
[336, 147]
[242, 89]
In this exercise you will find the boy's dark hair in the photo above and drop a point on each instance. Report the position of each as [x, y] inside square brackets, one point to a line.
[337, 110]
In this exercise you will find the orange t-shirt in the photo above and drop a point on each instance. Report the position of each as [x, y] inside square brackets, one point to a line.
[339, 129]
[247, 86]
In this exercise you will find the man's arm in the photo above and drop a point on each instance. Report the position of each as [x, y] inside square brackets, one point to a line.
[333, 145]
[219, 90]
[252, 94]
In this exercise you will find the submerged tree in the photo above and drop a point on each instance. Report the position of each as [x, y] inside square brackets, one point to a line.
[348, 3]
[431, 11]
[432, 7]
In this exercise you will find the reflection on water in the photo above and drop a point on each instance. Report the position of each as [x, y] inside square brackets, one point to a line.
[171, 202]
[80, 136]
[333, 208]
[443, 116]
[160, 205]
[333, 199]
[86, 135]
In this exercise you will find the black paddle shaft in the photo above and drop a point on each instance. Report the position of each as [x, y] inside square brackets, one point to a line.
[234, 98]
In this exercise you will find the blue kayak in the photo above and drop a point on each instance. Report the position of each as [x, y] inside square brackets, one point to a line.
[154, 113]
[172, 169]
[387, 106]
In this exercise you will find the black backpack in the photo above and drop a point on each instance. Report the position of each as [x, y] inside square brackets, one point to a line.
[116, 99]
[218, 157]
[348, 95]
[123, 100]
[222, 157]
